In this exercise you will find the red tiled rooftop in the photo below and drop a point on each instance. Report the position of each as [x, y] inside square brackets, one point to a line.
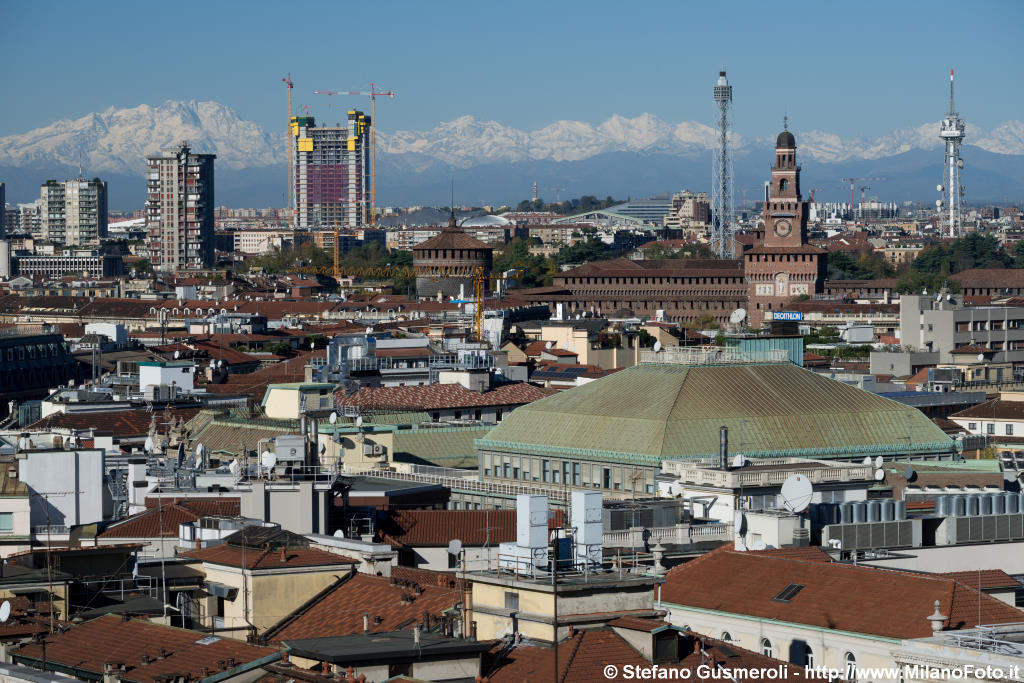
[835, 596]
[441, 396]
[984, 579]
[88, 646]
[235, 556]
[339, 610]
[122, 424]
[415, 528]
[162, 519]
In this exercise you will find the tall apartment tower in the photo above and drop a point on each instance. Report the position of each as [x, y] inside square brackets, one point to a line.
[332, 172]
[73, 212]
[179, 209]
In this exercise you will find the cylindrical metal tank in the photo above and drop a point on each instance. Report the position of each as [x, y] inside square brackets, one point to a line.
[874, 511]
[860, 512]
[942, 505]
[1012, 503]
[959, 506]
[985, 504]
[973, 505]
[888, 510]
[999, 504]
[846, 513]
[900, 513]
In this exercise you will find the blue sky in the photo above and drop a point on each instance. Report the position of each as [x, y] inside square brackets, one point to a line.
[853, 68]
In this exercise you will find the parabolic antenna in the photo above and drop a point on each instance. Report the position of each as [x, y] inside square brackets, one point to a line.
[739, 523]
[5, 611]
[796, 493]
[866, 460]
[333, 418]
[268, 460]
[148, 446]
[549, 344]
[738, 461]
[879, 475]
[908, 473]
[359, 421]
[981, 356]
[369, 330]
[878, 462]
[177, 355]
[938, 188]
[200, 449]
[454, 546]
[233, 467]
[657, 346]
[738, 316]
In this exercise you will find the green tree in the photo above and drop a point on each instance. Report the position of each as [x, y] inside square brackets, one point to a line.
[516, 256]
[143, 267]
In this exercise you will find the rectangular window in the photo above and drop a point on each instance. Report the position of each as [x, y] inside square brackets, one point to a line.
[972, 426]
[507, 468]
[511, 601]
[546, 470]
[6, 522]
[575, 474]
[1009, 430]
[606, 478]
[991, 428]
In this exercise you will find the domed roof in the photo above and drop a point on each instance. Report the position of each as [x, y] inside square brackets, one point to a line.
[485, 221]
[661, 410]
[786, 140]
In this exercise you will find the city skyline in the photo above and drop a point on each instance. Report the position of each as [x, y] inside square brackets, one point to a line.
[884, 68]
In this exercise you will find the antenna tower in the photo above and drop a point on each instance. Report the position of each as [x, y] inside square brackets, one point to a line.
[950, 207]
[721, 172]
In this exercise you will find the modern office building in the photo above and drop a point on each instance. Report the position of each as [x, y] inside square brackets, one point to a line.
[332, 172]
[85, 262]
[179, 209]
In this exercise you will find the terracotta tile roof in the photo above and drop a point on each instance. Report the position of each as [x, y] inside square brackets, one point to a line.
[581, 657]
[637, 624]
[996, 409]
[986, 579]
[123, 424]
[729, 656]
[835, 596]
[451, 238]
[88, 646]
[996, 278]
[973, 349]
[417, 528]
[163, 518]
[919, 377]
[234, 556]
[534, 348]
[561, 352]
[339, 611]
[440, 396]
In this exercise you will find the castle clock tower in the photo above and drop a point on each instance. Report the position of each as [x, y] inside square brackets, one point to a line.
[783, 266]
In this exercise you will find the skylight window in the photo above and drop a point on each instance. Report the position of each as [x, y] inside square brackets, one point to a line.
[789, 592]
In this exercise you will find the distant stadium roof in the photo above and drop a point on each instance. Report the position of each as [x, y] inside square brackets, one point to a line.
[654, 411]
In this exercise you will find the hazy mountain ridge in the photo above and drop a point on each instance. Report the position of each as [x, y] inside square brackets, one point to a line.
[619, 156]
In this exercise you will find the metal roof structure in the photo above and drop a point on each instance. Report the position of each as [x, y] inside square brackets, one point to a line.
[656, 411]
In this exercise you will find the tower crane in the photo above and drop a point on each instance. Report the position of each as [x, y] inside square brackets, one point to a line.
[863, 189]
[853, 186]
[372, 94]
[287, 80]
[813, 190]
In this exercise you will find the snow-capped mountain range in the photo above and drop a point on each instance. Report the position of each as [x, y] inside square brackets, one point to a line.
[118, 140]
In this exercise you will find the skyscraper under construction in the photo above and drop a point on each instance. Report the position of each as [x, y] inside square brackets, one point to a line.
[332, 172]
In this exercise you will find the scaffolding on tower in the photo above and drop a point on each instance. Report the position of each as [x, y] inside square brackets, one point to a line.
[722, 228]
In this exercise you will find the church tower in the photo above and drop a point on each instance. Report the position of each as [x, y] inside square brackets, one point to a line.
[783, 266]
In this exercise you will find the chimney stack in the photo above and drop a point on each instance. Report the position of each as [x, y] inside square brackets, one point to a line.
[723, 448]
[366, 623]
[416, 636]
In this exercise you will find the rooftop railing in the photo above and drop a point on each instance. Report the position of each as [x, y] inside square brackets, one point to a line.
[712, 355]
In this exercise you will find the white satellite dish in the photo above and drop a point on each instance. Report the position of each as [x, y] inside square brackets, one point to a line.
[148, 446]
[908, 473]
[866, 460]
[359, 421]
[738, 316]
[949, 297]
[938, 297]
[981, 356]
[878, 462]
[200, 449]
[233, 467]
[268, 460]
[333, 419]
[454, 546]
[879, 475]
[657, 346]
[177, 355]
[759, 545]
[549, 344]
[938, 188]
[738, 461]
[739, 523]
[5, 611]
[369, 330]
[797, 492]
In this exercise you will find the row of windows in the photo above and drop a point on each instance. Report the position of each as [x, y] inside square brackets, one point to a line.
[782, 258]
[579, 474]
[990, 428]
[807, 654]
[33, 351]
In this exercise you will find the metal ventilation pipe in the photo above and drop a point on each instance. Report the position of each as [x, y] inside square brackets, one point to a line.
[723, 448]
[314, 446]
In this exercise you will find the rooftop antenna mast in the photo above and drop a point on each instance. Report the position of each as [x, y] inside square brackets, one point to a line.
[721, 172]
[950, 206]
